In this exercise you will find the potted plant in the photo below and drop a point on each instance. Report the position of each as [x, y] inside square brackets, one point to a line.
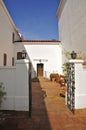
[54, 76]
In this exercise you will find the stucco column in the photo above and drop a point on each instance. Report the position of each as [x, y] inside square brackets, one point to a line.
[80, 84]
[22, 87]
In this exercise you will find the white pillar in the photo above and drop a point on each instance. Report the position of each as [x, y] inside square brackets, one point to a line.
[22, 86]
[80, 84]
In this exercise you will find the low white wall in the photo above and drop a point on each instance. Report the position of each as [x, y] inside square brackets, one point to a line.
[7, 77]
[80, 84]
[22, 85]
[15, 80]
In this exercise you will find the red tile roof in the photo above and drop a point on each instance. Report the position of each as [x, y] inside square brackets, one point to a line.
[40, 41]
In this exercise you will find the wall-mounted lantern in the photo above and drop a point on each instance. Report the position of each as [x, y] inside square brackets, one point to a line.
[24, 54]
[73, 55]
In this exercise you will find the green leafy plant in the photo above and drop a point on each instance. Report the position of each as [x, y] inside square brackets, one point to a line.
[81, 56]
[67, 55]
[64, 67]
[2, 92]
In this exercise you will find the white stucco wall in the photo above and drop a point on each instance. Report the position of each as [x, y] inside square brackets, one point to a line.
[80, 81]
[15, 81]
[52, 52]
[7, 77]
[7, 28]
[72, 25]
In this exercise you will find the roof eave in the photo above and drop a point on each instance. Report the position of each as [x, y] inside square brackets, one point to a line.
[60, 8]
[8, 15]
[40, 41]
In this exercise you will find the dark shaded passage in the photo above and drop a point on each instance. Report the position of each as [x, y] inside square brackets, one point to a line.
[39, 112]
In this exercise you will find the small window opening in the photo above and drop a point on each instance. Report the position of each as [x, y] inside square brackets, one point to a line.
[13, 35]
[12, 61]
[5, 59]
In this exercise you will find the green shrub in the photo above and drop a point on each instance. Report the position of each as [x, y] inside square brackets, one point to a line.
[2, 92]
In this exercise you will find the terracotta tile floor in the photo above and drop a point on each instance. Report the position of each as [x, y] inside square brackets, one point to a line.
[49, 111]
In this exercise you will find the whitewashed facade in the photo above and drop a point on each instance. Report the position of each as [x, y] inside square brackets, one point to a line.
[16, 85]
[72, 24]
[38, 49]
[49, 53]
[14, 72]
[15, 80]
[8, 34]
[72, 33]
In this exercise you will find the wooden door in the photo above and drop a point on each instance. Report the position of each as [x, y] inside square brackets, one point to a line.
[40, 70]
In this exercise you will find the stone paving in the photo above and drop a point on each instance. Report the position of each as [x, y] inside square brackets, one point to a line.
[49, 111]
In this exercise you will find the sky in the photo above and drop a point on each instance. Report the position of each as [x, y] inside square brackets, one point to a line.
[35, 19]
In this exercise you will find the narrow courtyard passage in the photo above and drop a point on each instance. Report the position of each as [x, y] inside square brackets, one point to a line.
[49, 111]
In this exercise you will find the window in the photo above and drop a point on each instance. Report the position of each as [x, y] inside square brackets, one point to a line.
[12, 61]
[5, 59]
[13, 35]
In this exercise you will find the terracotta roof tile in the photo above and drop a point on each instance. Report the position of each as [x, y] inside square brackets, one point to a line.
[40, 41]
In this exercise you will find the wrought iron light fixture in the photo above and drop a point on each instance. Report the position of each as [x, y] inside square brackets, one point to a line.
[24, 54]
[73, 55]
